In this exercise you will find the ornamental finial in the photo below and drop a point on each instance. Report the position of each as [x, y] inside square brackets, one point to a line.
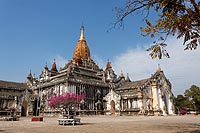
[82, 37]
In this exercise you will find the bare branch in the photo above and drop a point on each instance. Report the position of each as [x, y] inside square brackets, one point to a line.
[179, 18]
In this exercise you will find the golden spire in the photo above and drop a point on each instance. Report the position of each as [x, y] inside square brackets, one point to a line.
[108, 65]
[54, 66]
[81, 51]
[82, 37]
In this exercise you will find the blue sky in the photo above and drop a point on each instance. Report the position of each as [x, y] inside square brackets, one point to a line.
[34, 32]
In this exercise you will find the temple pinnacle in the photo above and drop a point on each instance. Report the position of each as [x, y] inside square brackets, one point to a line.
[82, 37]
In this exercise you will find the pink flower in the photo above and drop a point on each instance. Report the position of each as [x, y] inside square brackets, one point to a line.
[183, 112]
[65, 100]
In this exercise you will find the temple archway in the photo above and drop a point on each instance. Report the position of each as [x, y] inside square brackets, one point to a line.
[24, 109]
[112, 104]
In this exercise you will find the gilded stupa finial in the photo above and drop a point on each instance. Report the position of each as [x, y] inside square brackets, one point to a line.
[82, 36]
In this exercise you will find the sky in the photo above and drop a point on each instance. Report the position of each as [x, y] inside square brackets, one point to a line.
[35, 32]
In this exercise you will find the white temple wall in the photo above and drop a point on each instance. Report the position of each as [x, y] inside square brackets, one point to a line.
[155, 97]
[171, 111]
[162, 105]
[112, 96]
[167, 102]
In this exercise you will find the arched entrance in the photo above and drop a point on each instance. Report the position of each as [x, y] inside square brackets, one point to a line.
[112, 104]
[24, 108]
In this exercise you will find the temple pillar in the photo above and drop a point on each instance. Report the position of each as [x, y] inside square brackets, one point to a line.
[135, 103]
[155, 96]
[161, 103]
[140, 105]
[70, 88]
[140, 98]
[170, 106]
[67, 87]
[129, 103]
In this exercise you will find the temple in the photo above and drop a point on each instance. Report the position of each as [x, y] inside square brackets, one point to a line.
[13, 96]
[105, 92]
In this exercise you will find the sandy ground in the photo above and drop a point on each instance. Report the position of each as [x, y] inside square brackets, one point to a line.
[107, 124]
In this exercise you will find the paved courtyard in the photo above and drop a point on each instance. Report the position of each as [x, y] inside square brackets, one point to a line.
[107, 124]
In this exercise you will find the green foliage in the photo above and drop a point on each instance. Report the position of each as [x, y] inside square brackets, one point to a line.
[182, 103]
[180, 18]
[193, 93]
[190, 100]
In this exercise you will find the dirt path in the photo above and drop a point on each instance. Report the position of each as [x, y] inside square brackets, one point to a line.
[107, 124]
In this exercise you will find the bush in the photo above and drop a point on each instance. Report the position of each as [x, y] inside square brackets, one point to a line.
[182, 112]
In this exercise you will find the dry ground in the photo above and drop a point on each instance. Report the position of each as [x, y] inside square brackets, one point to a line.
[107, 124]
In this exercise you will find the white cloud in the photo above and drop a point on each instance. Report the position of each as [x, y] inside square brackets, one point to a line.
[99, 61]
[182, 69]
[60, 61]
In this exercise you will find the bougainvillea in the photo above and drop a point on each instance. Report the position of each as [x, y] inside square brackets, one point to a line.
[183, 112]
[66, 100]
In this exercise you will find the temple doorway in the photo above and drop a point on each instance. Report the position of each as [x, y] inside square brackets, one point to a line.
[24, 108]
[112, 104]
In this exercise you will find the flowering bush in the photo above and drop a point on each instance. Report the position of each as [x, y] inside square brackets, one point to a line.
[66, 100]
[183, 112]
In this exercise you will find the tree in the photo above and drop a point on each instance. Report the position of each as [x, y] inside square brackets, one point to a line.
[181, 103]
[193, 93]
[180, 18]
[66, 101]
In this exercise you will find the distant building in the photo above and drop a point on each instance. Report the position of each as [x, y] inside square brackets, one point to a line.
[13, 95]
[105, 92]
